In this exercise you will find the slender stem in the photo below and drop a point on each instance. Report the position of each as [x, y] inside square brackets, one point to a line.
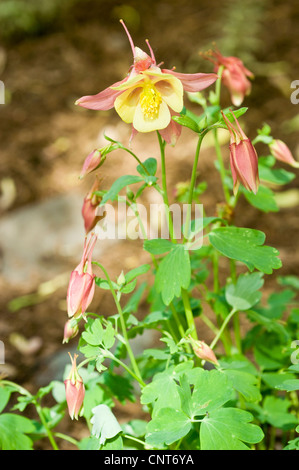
[177, 320]
[189, 314]
[136, 158]
[215, 132]
[147, 446]
[44, 423]
[164, 187]
[192, 184]
[66, 438]
[18, 388]
[221, 166]
[122, 322]
[135, 376]
[221, 330]
[208, 322]
[215, 262]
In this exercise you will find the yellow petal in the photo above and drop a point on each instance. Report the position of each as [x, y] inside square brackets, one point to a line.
[131, 82]
[143, 124]
[125, 104]
[171, 90]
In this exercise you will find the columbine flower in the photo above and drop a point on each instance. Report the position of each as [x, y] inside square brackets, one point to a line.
[243, 158]
[74, 391]
[82, 284]
[234, 76]
[90, 206]
[149, 96]
[282, 152]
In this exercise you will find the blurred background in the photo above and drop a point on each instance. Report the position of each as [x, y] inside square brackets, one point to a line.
[54, 51]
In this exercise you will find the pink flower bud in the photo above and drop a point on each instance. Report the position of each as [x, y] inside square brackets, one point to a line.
[90, 206]
[234, 76]
[74, 391]
[282, 152]
[82, 284]
[69, 331]
[203, 351]
[243, 158]
[91, 163]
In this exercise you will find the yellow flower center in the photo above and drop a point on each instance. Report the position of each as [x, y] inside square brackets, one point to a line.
[150, 101]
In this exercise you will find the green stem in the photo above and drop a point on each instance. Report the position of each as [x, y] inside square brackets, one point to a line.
[189, 314]
[192, 184]
[147, 446]
[70, 439]
[136, 158]
[221, 166]
[215, 261]
[236, 320]
[221, 330]
[44, 423]
[122, 364]
[18, 388]
[218, 84]
[164, 187]
[215, 132]
[123, 324]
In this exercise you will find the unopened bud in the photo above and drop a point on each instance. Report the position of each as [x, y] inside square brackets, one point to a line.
[91, 163]
[74, 391]
[203, 351]
[70, 330]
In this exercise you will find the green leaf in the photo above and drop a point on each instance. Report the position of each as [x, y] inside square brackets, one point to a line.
[276, 176]
[174, 273]
[158, 246]
[275, 379]
[293, 444]
[245, 245]
[118, 185]
[270, 350]
[263, 200]
[291, 281]
[169, 426]
[94, 332]
[93, 396]
[4, 397]
[13, 430]
[276, 413]
[163, 391]
[289, 385]
[245, 293]
[132, 305]
[211, 390]
[228, 429]
[137, 272]
[135, 427]
[186, 121]
[120, 387]
[150, 164]
[244, 383]
[104, 424]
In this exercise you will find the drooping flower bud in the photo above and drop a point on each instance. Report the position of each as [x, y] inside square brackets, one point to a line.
[281, 152]
[91, 163]
[82, 284]
[70, 331]
[90, 206]
[203, 351]
[234, 76]
[243, 158]
[74, 391]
